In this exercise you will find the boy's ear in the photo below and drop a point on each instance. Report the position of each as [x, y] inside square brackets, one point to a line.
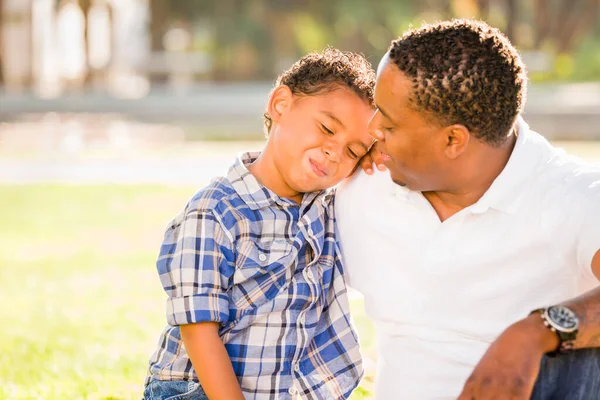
[279, 102]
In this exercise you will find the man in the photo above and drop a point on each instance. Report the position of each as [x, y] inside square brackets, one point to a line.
[481, 255]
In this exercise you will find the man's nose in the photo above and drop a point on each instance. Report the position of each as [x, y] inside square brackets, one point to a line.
[375, 127]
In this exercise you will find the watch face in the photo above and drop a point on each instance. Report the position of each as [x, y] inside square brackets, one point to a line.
[563, 317]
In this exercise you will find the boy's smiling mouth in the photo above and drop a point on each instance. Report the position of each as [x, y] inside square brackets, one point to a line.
[317, 169]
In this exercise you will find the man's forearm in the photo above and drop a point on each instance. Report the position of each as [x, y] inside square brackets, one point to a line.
[211, 361]
[587, 308]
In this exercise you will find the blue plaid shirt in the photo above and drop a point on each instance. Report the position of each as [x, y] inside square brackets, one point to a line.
[269, 271]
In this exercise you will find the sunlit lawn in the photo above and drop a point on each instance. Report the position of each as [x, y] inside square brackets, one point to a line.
[81, 305]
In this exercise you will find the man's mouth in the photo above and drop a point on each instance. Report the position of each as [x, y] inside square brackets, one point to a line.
[385, 157]
[317, 169]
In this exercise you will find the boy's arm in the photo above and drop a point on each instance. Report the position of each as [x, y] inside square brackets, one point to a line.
[211, 361]
[195, 264]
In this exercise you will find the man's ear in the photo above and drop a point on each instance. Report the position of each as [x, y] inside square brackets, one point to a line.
[457, 139]
[279, 101]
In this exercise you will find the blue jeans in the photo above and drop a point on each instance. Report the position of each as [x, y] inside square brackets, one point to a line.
[174, 390]
[573, 376]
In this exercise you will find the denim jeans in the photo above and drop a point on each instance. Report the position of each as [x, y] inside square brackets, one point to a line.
[174, 390]
[572, 376]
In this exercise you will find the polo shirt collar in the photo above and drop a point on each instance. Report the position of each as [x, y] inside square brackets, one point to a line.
[505, 192]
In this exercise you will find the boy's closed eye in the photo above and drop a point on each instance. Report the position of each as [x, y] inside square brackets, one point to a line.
[326, 130]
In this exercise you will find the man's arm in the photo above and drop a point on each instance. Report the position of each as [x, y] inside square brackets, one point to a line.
[211, 361]
[587, 308]
[510, 367]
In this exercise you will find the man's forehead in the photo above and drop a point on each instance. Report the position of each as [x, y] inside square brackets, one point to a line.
[383, 63]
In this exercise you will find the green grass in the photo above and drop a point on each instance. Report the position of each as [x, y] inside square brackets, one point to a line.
[82, 307]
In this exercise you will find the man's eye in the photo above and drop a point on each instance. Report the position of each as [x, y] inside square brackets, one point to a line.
[326, 130]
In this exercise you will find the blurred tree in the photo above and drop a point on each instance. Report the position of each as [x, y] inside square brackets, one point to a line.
[257, 39]
[85, 6]
[561, 24]
[484, 9]
[159, 22]
[1, 39]
[512, 11]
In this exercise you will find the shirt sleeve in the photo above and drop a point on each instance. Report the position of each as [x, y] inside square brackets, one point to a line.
[588, 243]
[195, 265]
[349, 202]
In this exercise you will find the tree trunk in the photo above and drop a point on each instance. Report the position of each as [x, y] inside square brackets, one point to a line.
[85, 6]
[543, 22]
[484, 9]
[582, 20]
[1, 52]
[159, 9]
[159, 12]
[225, 24]
[512, 19]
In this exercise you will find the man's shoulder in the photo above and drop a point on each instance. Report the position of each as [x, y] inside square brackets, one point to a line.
[564, 181]
[570, 172]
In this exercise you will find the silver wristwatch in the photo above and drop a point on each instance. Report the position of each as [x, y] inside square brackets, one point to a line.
[562, 321]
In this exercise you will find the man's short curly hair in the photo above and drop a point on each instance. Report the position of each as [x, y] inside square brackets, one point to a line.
[318, 73]
[464, 72]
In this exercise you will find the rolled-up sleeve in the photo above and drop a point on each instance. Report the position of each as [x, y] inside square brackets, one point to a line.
[194, 265]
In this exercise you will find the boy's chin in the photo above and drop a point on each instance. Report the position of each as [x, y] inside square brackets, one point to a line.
[308, 188]
[304, 185]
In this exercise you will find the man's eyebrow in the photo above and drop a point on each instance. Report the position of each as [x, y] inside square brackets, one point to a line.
[334, 118]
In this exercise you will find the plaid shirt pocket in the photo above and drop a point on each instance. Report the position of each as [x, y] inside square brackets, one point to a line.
[263, 256]
[259, 266]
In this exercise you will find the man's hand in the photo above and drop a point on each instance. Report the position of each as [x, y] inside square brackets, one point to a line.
[373, 156]
[510, 367]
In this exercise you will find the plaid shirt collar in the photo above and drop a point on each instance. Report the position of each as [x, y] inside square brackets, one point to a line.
[257, 196]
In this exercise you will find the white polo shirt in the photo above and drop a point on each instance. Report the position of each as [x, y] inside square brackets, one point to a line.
[440, 293]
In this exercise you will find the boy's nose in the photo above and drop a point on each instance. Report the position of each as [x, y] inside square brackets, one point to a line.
[332, 154]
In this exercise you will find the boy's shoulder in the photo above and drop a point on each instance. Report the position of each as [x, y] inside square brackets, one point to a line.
[217, 197]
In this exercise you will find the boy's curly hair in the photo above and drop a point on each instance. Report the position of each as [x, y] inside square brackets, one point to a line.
[464, 72]
[323, 72]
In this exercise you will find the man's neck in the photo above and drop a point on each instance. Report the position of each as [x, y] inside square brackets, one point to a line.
[478, 175]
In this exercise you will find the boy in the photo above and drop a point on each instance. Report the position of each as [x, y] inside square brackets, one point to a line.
[257, 305]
